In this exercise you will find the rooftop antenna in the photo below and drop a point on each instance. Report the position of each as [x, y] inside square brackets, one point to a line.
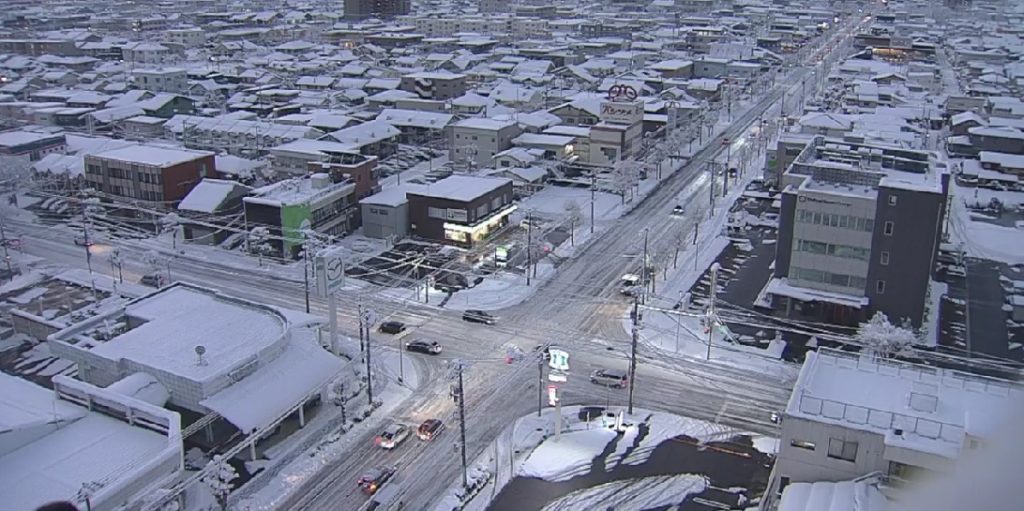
[200, 351]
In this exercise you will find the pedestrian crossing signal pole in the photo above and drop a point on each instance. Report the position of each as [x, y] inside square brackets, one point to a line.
[712, 316]
[455, 372]
[540, 383]
[632, 356]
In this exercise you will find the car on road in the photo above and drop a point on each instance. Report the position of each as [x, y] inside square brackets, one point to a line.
[478, 316]
[374, 478]
[424, 346]
[392, 327]
[609, 378]
[679, 210]
[153, 280]
[429, 429]
[81, 241]
[393, 435]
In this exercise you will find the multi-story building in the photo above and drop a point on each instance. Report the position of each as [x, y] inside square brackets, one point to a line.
[434, 84]
[191, 37]
[30, 145]
[851, 415]
[460, 210]
[477, 140]
[618, 134]
[859, 229]
[235, 136]
[362, 9]
[148, 173]
[290, 207]
[165, 79]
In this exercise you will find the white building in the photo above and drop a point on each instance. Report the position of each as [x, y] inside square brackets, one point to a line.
[52, 442]
[189, 37]
[850, 416]
[235, 373]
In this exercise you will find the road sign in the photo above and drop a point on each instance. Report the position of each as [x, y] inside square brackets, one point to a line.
[552, 395]
[558, 359]
[369, 318]
[329, 268]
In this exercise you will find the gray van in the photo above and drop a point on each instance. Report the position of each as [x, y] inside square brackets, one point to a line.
[609, 378]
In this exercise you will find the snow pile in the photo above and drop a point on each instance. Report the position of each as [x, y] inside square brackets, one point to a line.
[663, 427]
[640, 493]
[765, 444]
[567, 457]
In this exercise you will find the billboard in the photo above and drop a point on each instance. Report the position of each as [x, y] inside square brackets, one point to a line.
[620, 112]
[329, 268]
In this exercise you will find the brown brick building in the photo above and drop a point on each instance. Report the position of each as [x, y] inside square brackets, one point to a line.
[149, 173]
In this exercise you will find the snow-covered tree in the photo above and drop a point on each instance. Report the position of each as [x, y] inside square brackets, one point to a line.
[170, 223]
[116, 261]
[219, 474]
[259, 242]
[883, 339]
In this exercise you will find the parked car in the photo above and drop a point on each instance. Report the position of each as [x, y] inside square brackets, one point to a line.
[374, 478]
[153, 280]
[424, 346]
[609, 378]
[429, 429]
[393, 435]
[392, 327]
[478, 316]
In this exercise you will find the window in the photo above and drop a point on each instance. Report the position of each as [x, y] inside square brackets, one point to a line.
[803, 444]
[880, 287]
[889, 226]
[438, 213]
[883, 259]
[504, 163]
[842, 449]
[892, 200]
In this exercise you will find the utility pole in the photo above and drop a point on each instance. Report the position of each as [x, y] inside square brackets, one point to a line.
[540, 383]
[645, 274]
[593, 197]
[7, 257]
[456, 372]
[529, 245]
[712, 291]
[696, 247]
[369, 376]
[711, 169]
[632, 356]
[305, 276]
[360, 311]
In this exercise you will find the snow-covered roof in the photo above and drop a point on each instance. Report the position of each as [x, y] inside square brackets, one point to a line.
[535, 139]
[235, 166]
[176, 319]
[997, 132]
[479, 123]
[830, 496]
[1011, 161]
[394, 196]
[415, 118]
[366, 133]
[56, 163]
[297, 191]
[69, 447]
[156, 156]
[313, 147]
[931, 408]
[265, 395]
[16, 138]
[208, 195]
[462, 188]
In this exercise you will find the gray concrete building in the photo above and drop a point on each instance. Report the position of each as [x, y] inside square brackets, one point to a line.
[859, 229]
[386, 214]
[477, 140]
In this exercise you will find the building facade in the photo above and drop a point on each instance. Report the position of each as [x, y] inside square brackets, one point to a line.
[149, 173]
[476, 140]
[461, 210]
[855, 220]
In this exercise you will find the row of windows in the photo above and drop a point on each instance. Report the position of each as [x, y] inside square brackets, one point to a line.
[824, 277]
[855, 223]
[837, 448]
[844, 251]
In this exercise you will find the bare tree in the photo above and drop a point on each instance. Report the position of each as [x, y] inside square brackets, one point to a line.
[574, 216]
